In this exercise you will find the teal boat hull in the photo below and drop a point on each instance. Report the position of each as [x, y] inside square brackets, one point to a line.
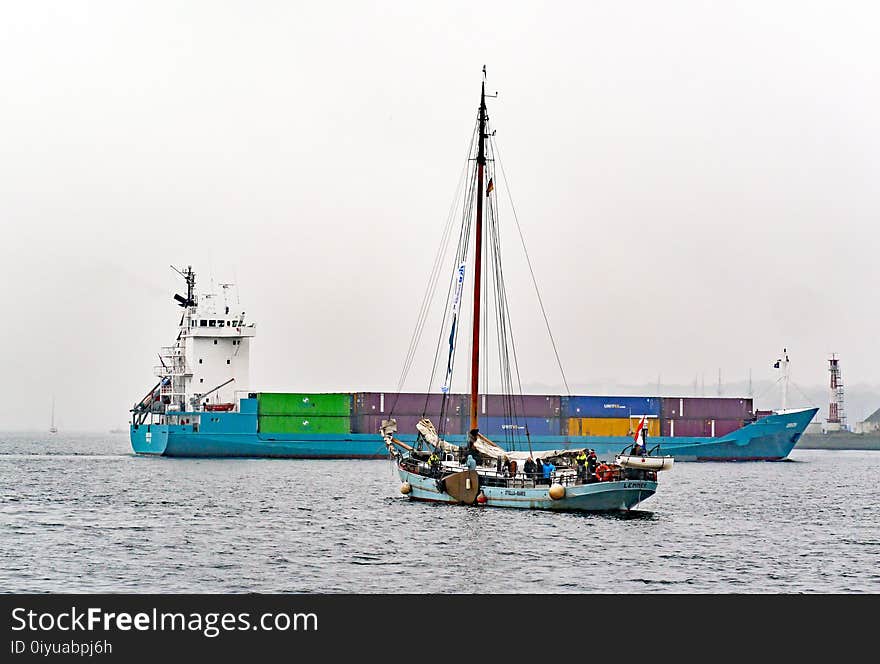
[596, 497]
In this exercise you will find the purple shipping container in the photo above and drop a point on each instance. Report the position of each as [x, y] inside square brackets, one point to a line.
[527, 405]
[406, 424]
[724, 427]
[686, 428]
[405, 403]
[710, 408]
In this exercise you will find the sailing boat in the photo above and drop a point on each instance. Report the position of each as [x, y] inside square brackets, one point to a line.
[482, 472]
[52, 427]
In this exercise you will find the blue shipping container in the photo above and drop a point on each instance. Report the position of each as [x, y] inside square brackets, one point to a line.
[538, 426]
[610, 406]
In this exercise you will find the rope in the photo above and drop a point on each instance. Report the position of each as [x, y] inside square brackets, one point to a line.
[529, 262]
[809, 400]
[433, 281]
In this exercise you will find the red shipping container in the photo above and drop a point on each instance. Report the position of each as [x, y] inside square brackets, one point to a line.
[406, 424]
[406, 403]
[709, 408]
[686, 428]
[724, 427]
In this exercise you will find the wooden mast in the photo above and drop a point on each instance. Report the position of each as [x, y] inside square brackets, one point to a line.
[478, 251]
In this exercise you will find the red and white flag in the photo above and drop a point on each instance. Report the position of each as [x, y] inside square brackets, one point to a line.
[639, 430]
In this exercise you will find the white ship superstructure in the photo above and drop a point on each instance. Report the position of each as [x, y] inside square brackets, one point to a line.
[207, 367]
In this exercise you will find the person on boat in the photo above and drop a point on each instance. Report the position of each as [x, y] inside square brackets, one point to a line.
[511, 468]
[471, 463]
[549, 469]
[434, 463]
[505, 466]
[592, 463]
[529, 468]
[581, 460]
[539, 470]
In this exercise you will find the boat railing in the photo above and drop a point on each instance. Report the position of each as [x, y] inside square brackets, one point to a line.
[629, 449]
[491, 477]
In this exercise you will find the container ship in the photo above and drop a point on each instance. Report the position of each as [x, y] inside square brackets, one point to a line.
[203, 406]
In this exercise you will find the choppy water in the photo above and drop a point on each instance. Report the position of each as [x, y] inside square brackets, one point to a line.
[83, 514]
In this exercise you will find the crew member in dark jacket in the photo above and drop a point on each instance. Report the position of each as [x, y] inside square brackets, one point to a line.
[592, 462]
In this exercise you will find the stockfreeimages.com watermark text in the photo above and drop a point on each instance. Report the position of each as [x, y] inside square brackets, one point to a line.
[209, 624]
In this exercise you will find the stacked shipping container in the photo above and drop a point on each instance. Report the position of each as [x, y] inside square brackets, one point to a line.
[611, 426]
[369, 409]
[709, 417]
[539, 413]
[542, 415]
[279, 412]
[610, 416]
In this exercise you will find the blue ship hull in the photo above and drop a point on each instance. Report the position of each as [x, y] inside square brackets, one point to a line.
[235, 435]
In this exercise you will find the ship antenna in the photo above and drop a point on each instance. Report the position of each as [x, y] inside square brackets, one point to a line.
[190, 277]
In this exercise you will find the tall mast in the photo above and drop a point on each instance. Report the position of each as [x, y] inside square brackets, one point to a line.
[478, 251]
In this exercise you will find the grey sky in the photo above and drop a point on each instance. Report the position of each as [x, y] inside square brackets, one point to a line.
[697, 184]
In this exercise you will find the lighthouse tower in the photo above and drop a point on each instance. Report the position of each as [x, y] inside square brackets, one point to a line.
[836, 412]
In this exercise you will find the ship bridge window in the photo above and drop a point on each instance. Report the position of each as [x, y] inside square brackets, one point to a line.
[212, 323]
[215, 342]
[203, 323]
[235, 323]
[221, 323]
[227, 361]
[200, 360]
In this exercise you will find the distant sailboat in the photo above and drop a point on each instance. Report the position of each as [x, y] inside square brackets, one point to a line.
[52, 427]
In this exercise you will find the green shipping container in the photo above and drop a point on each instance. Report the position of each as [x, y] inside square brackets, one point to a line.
[313, 405]
[303, 424]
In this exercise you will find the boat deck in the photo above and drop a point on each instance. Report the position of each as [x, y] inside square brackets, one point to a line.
[489, 476]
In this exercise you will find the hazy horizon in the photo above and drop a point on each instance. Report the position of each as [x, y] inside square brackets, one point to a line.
[696, 185]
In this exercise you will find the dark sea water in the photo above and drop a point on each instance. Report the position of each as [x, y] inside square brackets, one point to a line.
[81, 513]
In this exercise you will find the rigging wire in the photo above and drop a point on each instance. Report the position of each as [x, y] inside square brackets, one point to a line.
[510, 379]
[497, 152]
[767, 389]
[809, 400]
[461, 257]
[433, 279]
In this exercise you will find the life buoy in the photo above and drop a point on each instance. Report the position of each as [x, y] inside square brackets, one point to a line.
[604, 473]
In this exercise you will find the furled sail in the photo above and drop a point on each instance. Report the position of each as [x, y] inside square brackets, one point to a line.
[456, 301]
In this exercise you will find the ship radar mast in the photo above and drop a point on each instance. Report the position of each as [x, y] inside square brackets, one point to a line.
[190, 278]
[784, 363]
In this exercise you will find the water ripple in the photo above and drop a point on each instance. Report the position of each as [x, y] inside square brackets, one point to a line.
[82, 514]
